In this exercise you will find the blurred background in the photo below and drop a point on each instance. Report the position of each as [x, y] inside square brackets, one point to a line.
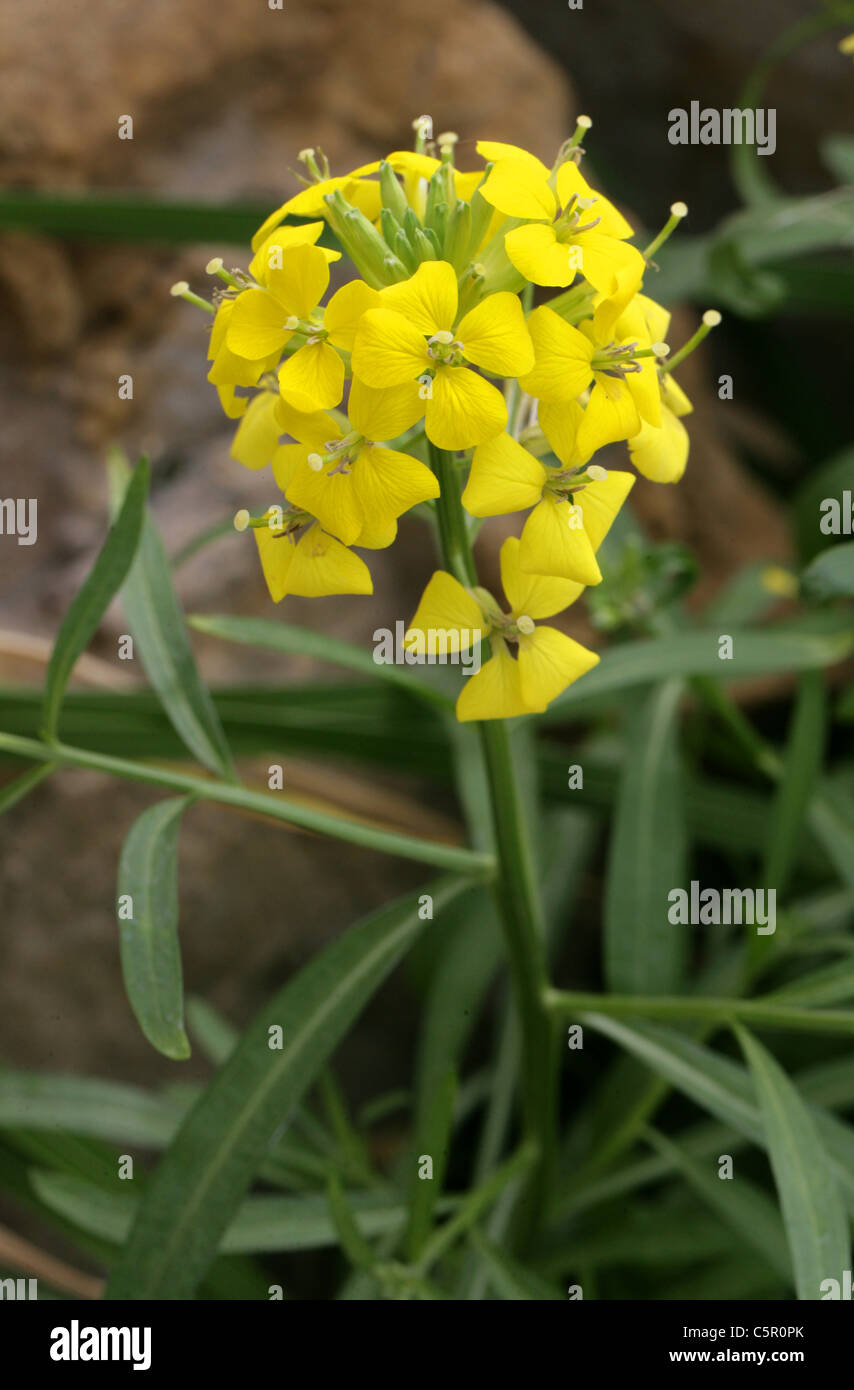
[222, 99]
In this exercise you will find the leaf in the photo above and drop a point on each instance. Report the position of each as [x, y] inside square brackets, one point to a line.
[755, 652]
[296, 813]
[740, 1204]
[433, 1140]
[301, 641]
[200, 1182]
[723, 1088]
[510, 1279]
[92, 600]
[736, 284]
[350, 1238]
[644, 954]
[86, 1105]
[837, 151]
[831, 817]
[801, 768]
[150, 953]
[157, 624]
[813, 1212]
[830, 479]
[831, 574]
[132, 217]
[13, 792]
[262, 1224]
[376, 725]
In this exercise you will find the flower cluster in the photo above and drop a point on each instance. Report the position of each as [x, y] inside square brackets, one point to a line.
[435, 353]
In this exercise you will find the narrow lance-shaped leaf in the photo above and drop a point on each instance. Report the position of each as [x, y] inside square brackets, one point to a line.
[644, 951]
[158, 627]
[740, 1204]
[800, 770]
[148, 936]
[301, 641]
[813, 1212]
[432, 1143]
[205, 1174]
[92, 600]
[755, 652]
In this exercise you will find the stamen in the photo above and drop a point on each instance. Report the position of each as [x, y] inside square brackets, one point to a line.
[677, 212]
[711, 319]
[181, 290]
[525, 624]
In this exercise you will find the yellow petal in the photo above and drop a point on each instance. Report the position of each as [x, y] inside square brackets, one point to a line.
[313, 378]
[495, 336]
[540, 257]
[604, 257]
[656, 317]
[345, 309]
[645, 391]
[330, 496]
[571, 183]
[376, 535]
[258, 433]
[673, 397]
[257, 325]
[562, 358]
[661, 454]
[287, 461]
[504, 478]
[609, 415]
[384, 414]
[300, 282]
[312, 427]
[535, 595]
[309, 202]
[271, 252]
[322, 565]
[560, 424]
[519, 189]
[609, 307]
[554, 543]
[496, 691]
[601, 501]
[548, 662]
[389, 483]
[428, 300]
[234, 406]
[463, 409]
[448, 608]
[493, 150]
[388, 351]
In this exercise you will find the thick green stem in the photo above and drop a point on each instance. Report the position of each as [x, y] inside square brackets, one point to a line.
[515, 886]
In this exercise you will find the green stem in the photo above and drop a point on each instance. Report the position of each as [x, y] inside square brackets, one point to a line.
[670, 1009]
[515, 886]
[443, 856]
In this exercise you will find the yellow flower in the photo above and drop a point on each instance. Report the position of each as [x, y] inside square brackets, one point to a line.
[571, 228]
[229, 370]
[416, 335]
[298, 558]
[257, 436]
[621, 373]
[661, 454]
[573, 508]
[271, 252]
[265, 320]
[355, 187]
[546, 661]
[354, 487]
